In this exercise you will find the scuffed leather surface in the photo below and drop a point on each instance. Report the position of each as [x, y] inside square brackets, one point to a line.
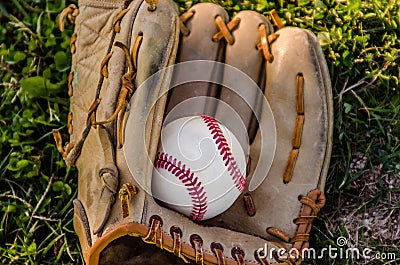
[95, 38]
[198, 45]
[243, 55]
[93, 29]
[276, 203]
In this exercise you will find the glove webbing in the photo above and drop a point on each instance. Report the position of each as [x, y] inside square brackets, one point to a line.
[127, 89]
[72, 150]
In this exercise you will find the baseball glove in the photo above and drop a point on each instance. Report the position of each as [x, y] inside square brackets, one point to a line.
[123, 87]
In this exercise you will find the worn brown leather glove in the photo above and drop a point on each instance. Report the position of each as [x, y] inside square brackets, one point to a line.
[118, 87]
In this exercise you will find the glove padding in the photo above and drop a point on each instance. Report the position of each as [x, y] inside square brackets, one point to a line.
[113, 143]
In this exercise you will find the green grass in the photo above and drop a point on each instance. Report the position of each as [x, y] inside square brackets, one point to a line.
[361, 42]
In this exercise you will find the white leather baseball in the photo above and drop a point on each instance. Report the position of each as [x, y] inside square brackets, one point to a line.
[199, 167]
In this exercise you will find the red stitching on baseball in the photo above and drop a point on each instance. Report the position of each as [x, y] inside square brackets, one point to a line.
[225, 152]
[196, 190]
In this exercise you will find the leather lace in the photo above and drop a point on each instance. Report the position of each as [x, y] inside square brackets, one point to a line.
[312, 204]
[127, 88]
[276, 19]
[225, 29]
[183, 19]
[266, 41]
[70, 12]
[152, 4]
[224, 32]
[126, 193]
[296, 143]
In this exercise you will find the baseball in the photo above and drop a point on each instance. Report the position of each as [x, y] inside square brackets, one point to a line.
[199, 167]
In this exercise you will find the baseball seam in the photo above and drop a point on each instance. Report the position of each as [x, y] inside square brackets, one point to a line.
[192, 183]
[225, 152]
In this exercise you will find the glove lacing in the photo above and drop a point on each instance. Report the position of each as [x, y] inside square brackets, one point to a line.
[311, 203]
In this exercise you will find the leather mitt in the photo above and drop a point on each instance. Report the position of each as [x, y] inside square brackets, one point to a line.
[123, 87]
